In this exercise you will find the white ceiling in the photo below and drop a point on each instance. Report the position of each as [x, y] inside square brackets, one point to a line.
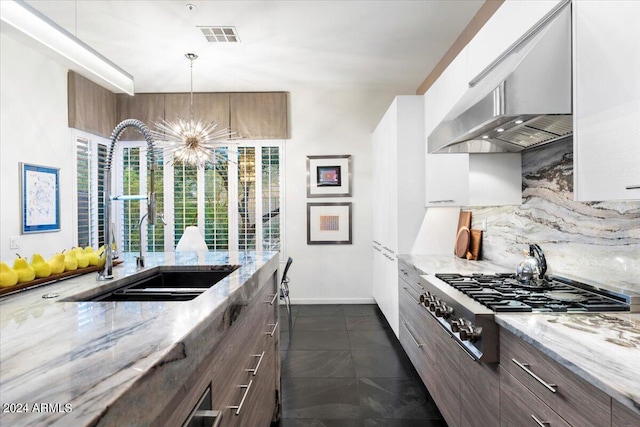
[337, 45]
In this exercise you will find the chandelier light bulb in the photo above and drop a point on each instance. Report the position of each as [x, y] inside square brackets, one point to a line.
[193, 142]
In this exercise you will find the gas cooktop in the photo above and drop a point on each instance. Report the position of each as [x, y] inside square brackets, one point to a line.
[504, 293]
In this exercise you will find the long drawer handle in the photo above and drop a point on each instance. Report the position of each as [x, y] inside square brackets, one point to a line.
[275, 326]
[411, 335]
[208, 418]
[273, 300]
[247, 387]
[412, 297]
[525, 367]
[632, 187]
[255, 370]
[442, 201]
[540, 423]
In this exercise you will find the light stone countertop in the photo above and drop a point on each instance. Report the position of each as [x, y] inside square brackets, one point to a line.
[601, 348]
[98, 363]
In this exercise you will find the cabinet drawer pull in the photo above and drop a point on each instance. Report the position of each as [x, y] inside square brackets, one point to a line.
[540, 423]
[442, 201]
[412, 297]
[525, 367]
[255, 370]
[272, 299]
[208, 418]
[632, 187]
[273, 331]
[415, 341]
[244, 397]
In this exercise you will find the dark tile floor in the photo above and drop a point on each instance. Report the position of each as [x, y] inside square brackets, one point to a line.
[344, 367]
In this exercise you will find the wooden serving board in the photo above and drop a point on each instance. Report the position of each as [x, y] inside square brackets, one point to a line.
[54, 278]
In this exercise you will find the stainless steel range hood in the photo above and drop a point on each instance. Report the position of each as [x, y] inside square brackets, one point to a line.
[522, 100]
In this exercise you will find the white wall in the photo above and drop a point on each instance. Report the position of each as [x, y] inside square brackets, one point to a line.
[331, 122]
[33, 129]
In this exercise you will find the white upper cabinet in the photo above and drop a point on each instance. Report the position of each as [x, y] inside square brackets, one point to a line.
[606, 100]
[510, 22]
[473, 179]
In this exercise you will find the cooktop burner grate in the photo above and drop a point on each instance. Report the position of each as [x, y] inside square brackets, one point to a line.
[503, 293]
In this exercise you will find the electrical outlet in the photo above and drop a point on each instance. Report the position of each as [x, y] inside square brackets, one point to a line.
[14, 243]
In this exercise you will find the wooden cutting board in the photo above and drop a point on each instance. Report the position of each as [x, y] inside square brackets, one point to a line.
[462, 242]
[464, 221]
[475, 244]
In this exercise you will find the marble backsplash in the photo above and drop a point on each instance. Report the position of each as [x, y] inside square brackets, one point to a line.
[596, 241]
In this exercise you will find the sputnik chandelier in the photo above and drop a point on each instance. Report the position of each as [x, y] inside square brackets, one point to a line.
[193, 142]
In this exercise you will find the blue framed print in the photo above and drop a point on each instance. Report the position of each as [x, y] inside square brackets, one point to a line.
[40, 194]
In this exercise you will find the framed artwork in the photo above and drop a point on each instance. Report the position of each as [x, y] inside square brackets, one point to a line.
[329, 224]
[329, 176]
[40, 198]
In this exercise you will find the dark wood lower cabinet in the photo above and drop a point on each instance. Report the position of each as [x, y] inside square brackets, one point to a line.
[527, 387]
[479, 393]
[621, 416]
[520, 407]
[243, 369]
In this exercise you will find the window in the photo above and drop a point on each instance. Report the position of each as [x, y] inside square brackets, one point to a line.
[90, 159]
[216, 204]
[236, 204]
[131, 208]
[185, 199]
[271, 198]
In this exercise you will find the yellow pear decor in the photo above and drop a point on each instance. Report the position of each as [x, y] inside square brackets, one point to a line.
[25, 272]
[102, 257]
[57, 263]
[92, 256]
[81, 257]
[70, 261]
[8, 277]
[40, 266]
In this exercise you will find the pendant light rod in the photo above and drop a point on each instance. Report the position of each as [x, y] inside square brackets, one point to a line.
[191, 57]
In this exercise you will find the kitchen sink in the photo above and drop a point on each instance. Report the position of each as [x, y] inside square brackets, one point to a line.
[168, 285]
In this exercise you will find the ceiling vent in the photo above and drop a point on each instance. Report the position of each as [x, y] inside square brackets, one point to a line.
[220, 34]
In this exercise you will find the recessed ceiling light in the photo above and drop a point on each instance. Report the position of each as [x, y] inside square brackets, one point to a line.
[485, 136]
[500, 130]
[220, 34]
[518, 122]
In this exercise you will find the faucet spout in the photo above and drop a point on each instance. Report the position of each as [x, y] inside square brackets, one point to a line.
[107, 272]
[140, 258]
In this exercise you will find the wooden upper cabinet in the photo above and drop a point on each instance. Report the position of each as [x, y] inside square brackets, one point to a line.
[259, 115]
[92, 108]
[146, 107]
[208, 107]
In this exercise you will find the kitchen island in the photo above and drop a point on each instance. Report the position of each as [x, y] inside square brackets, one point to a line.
[80, 363]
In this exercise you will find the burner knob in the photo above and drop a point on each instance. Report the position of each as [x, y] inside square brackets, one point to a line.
[470, 333]
[433, 304]
[448, 311]
[443, 310]
[456, 324]
[465, 332]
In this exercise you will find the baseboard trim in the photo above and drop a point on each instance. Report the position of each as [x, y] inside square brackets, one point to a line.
[302, 301]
